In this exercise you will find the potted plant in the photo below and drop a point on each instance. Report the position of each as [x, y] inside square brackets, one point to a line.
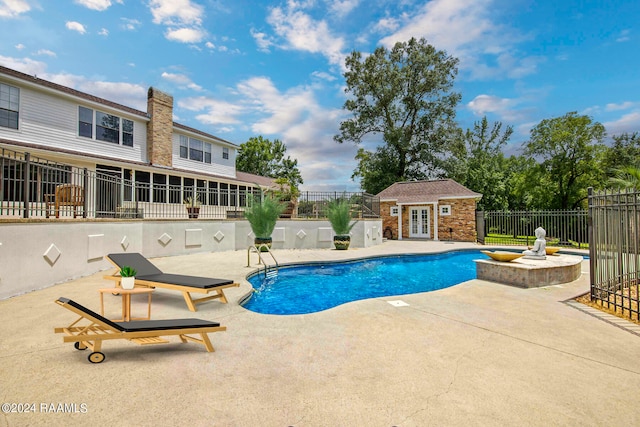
[128, 275]
[262, 214]
[339, 215]
[193, 206]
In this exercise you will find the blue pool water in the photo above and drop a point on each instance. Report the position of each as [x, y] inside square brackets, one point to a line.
[316, 287]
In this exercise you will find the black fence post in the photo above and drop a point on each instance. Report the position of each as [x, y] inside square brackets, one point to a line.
[85, 190]
[26, 185]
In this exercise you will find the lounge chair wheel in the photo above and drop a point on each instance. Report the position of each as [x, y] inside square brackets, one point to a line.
[96, 357]
[79, 346]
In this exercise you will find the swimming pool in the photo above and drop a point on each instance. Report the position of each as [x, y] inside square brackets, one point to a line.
[311, 288]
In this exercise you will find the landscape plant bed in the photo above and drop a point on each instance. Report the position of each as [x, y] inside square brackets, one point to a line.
[630, 294]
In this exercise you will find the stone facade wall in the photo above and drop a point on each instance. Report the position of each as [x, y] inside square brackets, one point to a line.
[459, 226]
[160, 129]
[389, 223]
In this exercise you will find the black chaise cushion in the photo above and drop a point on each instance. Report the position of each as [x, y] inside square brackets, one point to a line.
[183, 280]
[143, 325]
[162, 325]
[145, 270]
[136, 261]
[91, 313]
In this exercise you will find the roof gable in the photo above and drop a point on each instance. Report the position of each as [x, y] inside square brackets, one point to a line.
[426, 191]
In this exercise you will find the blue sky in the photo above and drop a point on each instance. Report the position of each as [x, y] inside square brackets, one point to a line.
[240, 68]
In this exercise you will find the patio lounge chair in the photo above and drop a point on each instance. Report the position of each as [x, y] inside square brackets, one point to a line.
[151, 276]
[91, 329]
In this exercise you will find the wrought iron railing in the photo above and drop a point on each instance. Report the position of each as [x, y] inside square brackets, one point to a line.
[563, 227]
[31, 187]
[614, 250]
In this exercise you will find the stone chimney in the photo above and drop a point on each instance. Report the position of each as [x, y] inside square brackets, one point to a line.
[160, 129]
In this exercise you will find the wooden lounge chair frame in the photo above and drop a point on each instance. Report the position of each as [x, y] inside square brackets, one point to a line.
[66, 195]
[91, 329]
[141, 264]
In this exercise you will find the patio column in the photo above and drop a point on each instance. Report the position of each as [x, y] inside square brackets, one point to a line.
[435, 220]
[399, 221]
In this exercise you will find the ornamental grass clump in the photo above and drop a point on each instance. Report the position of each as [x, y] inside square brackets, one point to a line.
[262, 214]
[339, 215]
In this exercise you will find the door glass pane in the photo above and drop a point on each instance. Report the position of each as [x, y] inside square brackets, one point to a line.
[425, 221]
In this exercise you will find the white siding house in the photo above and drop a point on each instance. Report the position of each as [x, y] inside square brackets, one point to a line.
[153, 159]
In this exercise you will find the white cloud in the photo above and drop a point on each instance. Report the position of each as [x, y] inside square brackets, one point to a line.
[483, 104]
[98, 5]
[13, 8]
[103, 32]
[181, 81]
[324, 76]
[185, 35]
[262, 40]
[216, 112]
[504, 108]
[183, 19]
[623, 106]
[20, 46]
[624, 36]
[130, 24]
[301, 32]
[129, 94]
[24, 65]
[45, 52]
[342, 8]
[384, 25]
[75, 26]
[627, 123]
[465, 29]
[176, 12]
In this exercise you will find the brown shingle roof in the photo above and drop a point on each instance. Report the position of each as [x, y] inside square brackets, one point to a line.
[69, 91]
[426, 191]
[263, 181]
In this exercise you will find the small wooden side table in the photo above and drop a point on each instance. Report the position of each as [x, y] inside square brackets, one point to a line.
[126, 301]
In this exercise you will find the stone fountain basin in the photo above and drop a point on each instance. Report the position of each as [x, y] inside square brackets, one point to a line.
[531, 273]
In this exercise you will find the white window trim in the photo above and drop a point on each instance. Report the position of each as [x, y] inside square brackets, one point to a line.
[445, 210]
[394, 210]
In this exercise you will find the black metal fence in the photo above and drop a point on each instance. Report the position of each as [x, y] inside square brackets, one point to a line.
[564, 227]
[315, 204]
[614, 250]
[37, 188]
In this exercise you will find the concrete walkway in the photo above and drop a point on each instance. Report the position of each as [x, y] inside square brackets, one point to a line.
[475, 354]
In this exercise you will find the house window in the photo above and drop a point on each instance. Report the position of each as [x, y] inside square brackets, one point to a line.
[195, 149]
[127, 132]
[394, 211]
[445, 210]
[9, 106]
[85, 122]
[108, 128]
[225, 153]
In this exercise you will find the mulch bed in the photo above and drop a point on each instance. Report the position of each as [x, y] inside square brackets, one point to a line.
[631, 292]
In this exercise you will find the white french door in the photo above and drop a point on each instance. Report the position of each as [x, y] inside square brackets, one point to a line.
[419, 222]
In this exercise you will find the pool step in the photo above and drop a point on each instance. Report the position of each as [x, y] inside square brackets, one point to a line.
[271, 274]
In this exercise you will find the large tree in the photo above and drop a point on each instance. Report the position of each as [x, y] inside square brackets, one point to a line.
[264, 157]
[403, 95]
[477, 162]
[624, 152]
[568, 149]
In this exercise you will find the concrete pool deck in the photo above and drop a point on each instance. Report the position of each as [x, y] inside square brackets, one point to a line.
[478, 353]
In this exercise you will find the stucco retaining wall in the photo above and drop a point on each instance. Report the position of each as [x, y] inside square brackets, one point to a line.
[38, 254]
